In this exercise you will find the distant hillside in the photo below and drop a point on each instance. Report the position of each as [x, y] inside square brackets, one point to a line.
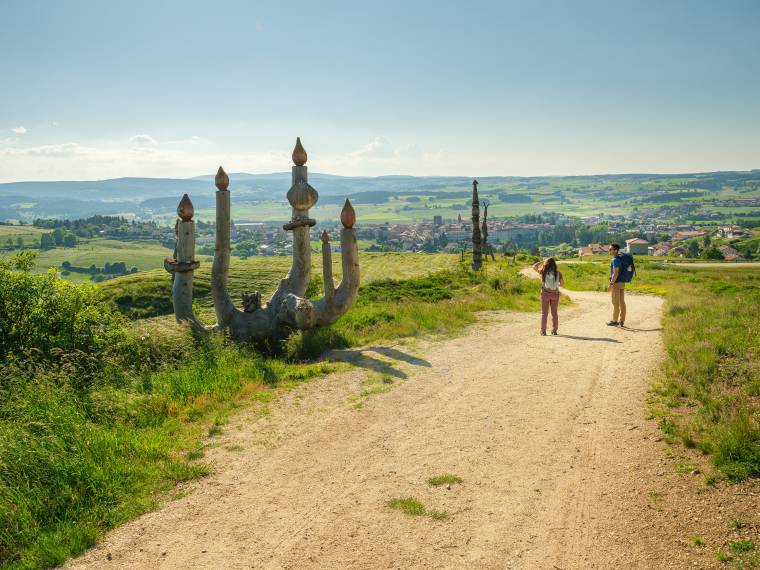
[149, 198]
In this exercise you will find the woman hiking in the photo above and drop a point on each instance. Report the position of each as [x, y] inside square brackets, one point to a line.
[551, 281]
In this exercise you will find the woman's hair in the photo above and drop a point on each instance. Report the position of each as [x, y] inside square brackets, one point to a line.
[550, 266]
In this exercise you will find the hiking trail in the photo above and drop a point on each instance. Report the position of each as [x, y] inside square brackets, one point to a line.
[547, 434]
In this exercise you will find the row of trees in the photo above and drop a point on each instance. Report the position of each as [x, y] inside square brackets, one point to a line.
[116, 268]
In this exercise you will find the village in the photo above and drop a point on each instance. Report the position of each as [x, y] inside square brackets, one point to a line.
[549, 234]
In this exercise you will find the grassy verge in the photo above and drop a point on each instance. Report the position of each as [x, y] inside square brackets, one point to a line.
[94, 434]
[76, 462]
[709, 396]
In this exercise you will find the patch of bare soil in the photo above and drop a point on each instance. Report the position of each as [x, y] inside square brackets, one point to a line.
[560, 468]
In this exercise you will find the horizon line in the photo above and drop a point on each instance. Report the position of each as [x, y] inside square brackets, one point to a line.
[284, 172]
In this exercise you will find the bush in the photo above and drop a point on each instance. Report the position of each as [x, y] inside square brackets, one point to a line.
[46, 318]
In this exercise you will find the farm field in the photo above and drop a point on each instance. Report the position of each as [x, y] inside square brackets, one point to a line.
[28, 234]
[141, 254]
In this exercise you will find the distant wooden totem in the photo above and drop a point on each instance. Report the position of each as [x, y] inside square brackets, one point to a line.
[287, 309]
[477, 252]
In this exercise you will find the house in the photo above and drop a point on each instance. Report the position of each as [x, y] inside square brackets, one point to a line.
[729, 253]
[680, 236]
[593, 249]
[660, 249]
[733, 231]
[637, 246]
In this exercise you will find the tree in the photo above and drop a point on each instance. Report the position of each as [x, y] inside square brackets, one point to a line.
[47, 241]
[20, 242]
[693, 249]
[428, 246]
[66, 265]
[707, 242]
[69, 240]
[58, 236]
[711, 253]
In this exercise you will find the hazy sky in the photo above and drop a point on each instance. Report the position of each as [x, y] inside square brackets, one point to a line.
[102, 89]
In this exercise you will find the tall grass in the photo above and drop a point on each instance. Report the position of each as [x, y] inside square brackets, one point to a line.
[710, 394]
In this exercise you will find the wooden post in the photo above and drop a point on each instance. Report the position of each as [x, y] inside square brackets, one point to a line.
[183, 264]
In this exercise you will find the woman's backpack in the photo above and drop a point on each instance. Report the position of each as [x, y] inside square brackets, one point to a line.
[551, 281]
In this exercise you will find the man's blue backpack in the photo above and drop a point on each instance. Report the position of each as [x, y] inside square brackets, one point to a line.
[627, 268]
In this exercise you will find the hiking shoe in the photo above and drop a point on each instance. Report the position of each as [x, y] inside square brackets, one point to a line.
[543, 333]
[613, 323]
[554, 333]
[621, 324]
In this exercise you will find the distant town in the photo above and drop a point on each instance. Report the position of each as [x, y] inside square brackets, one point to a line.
[547, 233]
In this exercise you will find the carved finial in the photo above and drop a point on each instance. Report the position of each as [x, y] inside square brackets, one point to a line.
[475, 183]
[299, 153]
[185, 209]
[222, 181]
[325, 237]
[348, 215]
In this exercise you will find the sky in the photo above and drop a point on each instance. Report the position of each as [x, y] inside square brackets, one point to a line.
[93, 89]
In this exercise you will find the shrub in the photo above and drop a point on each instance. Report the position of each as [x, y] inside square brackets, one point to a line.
[44, 317]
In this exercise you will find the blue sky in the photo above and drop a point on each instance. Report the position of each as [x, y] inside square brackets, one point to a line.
[104, 89]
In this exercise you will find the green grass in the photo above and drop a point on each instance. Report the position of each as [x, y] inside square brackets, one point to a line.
[447, 479]
[742, 553]
[709, 396]
[29, 235]
[148, 294]
[141, 254]
[74, 463]
[740, 546]
[413, 507]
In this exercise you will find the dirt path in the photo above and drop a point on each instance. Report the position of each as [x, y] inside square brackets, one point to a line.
[549, 437]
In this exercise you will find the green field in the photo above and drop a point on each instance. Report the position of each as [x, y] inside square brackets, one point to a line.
[148, 294]
[29, 234]
[141, 254]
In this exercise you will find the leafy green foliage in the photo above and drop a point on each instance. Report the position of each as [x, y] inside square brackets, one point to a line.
[43, 317]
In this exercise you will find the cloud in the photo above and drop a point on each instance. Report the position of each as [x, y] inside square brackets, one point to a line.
[379, 156]
[20, 130]
[189, 141]
[64, 150]
[143, 140]
[380, 147]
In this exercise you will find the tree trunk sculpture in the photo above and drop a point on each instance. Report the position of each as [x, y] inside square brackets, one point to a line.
[287, 309]
[477, 255]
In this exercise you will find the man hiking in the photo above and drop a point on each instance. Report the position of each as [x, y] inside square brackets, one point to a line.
[617, 287]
